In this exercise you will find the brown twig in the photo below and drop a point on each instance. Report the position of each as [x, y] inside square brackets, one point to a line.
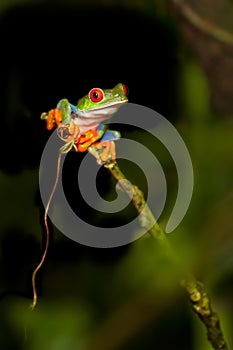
[196, 291]
[201, 24]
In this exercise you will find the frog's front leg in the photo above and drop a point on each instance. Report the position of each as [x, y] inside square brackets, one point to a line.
[86, 140]
[53, 118]
[90, 137]
[62, 114]
[67, 110]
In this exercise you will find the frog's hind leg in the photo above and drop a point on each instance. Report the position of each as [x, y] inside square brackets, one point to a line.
[103, 151]
[112, 150]
[105, 147]
[109, 137]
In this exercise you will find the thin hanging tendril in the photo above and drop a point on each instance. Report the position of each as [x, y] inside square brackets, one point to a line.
[47, 233]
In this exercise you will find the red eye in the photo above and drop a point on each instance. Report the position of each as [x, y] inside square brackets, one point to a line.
[96, 95]
[125, 89]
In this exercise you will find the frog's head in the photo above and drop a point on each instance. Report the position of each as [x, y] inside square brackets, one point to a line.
[107, 101]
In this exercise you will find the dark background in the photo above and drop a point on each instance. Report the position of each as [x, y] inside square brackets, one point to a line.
[121, 298]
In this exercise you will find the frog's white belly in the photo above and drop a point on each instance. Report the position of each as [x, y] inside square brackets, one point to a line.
[90, 119]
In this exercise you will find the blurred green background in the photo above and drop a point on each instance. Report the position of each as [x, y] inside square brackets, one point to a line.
[126, 297]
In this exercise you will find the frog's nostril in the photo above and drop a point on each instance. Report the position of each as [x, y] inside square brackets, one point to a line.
[125, 89]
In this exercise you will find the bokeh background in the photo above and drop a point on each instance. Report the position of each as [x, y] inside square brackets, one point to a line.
[176, 58]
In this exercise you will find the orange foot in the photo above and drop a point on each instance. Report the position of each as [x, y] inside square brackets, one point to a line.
[86, 140]
[53, 118]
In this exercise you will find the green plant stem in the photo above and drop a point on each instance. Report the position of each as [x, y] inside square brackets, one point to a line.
[197, 294]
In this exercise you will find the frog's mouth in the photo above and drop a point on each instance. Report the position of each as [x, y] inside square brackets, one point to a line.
[114, 105]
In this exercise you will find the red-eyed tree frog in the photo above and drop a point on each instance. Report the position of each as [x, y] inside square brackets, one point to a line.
[81, 126]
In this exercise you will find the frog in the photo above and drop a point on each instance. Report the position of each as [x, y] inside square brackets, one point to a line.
[81, 126]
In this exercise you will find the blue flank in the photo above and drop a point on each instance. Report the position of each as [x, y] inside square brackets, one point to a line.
[109, 135]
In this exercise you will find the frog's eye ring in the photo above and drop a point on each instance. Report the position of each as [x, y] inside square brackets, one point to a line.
[96, 95]
[125, 89]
